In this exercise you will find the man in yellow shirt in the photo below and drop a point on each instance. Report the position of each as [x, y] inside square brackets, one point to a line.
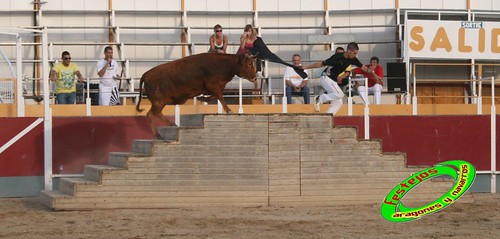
[64, 76]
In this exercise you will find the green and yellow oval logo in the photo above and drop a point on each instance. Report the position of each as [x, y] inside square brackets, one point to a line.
[461, 171]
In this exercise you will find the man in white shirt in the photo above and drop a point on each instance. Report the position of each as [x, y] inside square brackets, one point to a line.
[294, 82]
[107, 69]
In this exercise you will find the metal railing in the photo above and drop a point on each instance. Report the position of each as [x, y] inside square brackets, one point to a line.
[476, 88]
[6, 91]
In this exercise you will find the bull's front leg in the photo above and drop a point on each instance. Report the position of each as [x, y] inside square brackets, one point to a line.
[218, 95]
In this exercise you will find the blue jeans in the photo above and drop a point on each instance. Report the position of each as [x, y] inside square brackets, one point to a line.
[304, 92]
[66, 98]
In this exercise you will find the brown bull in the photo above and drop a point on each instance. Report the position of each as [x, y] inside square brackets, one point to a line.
[177, 81]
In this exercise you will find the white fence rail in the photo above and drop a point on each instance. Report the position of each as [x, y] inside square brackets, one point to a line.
[6, 91]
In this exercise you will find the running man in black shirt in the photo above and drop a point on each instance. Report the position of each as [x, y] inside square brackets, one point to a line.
[339, 63]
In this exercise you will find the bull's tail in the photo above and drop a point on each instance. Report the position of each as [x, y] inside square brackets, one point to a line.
[140, 95]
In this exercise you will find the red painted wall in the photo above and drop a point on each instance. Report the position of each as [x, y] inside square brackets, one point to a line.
[25, 157]
[431, 139]
[78, 141]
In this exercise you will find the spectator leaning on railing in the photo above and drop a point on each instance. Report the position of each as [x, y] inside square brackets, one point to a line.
[294, 82]
[218, 41]
[64, 76]
[107, 69]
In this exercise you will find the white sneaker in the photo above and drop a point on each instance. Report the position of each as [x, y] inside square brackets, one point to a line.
[316, 103]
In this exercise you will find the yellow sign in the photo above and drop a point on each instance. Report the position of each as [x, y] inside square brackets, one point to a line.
[452, 39]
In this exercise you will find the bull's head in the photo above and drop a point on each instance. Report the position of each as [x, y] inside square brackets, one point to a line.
[248, 66]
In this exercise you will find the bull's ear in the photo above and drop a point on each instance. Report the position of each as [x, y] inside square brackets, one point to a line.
[241, 57]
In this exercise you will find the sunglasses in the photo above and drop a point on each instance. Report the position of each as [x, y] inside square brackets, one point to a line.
[218, 30]
[67, 58]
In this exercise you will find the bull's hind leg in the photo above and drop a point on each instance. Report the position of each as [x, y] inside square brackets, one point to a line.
[155, 112]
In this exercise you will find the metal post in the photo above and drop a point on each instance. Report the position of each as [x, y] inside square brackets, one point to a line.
[117, 36]
[122, 51]
[112, 18]
[177, 115]
[127, 69]
[219, 107]
[88, 101]
[493, 137]
[414, 99]
[51, 51]
[240, 97]
[284, 99]
[19, 77]
[367, 112]
[349, 98]
[268, 87]
[473, 83]
[406, 59]
[48, 114]
[479, 102]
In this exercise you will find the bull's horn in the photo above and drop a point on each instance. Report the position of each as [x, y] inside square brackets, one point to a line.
[254, 56]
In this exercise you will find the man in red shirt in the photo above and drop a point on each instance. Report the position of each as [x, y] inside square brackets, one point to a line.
[375, 83]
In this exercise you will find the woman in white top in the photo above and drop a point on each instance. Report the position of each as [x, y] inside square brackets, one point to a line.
[218, 41]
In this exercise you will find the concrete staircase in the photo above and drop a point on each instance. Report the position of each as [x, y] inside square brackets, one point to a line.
[243, 160]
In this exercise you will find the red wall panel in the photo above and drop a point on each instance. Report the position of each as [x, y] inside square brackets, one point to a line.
[25, 157]
[79, 141]
[428, 140]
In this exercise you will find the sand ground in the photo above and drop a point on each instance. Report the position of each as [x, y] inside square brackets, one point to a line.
[27, 218]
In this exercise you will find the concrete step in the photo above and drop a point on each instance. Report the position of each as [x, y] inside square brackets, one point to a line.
[171, 188]
[176, 175]
[186, 121]
[316, 145]
[329, 133]
[193, 120]
[263, 192]
[48, 198]
[212, 151]
[148, 163]
[360, 189]
[339, 152]
[352, 161]
[169, 132]
[212, 160]
[214, 181]
[196, 170]
[187, 173]
[147, 146]
[96, 172]
[122, 159]
[143, 146]
[71, 186]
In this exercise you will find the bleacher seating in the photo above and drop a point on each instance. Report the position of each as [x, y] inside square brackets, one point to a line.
[146, 37]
